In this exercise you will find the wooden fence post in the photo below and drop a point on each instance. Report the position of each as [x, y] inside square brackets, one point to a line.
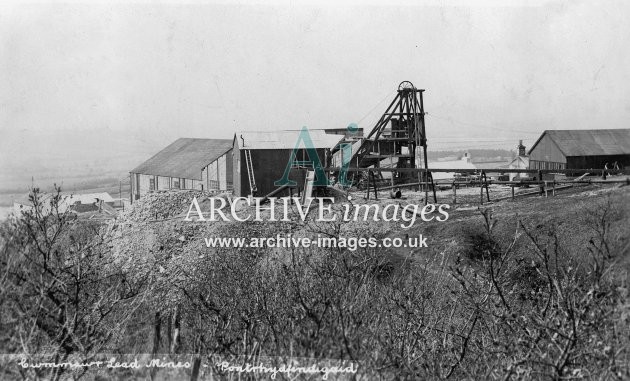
[368, 184]
[454, 193]
[545, 186]
[433, 187]
[375, 188]
[485, 179]
[425, 181]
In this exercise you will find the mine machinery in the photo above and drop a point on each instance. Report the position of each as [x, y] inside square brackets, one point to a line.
[398, 140]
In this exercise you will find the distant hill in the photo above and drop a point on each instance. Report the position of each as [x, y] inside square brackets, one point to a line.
[71, 157]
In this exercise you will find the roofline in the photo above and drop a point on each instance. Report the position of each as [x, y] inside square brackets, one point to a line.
[554, 142]
[175, 177]
[536, 143]
[271, 132]
[591, 129]
[233, 140]
[200, 171]
[218, 157]
[572, 130]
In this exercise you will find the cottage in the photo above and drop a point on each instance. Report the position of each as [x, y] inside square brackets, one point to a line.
[187, 163]
[519, 162]
[87, 205]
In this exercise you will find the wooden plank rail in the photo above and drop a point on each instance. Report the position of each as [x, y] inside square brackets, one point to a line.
[482, 180]
[534, 193]
[597, 172]
[497, 182]
[544, 186]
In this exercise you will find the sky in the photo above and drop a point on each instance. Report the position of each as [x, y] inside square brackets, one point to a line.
[149, 72]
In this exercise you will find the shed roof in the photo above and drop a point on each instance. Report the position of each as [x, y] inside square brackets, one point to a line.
[284, 139]
[185, 158]
[590, 142]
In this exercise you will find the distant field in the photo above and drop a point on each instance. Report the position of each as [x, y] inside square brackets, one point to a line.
[84, 184]
[78, 161]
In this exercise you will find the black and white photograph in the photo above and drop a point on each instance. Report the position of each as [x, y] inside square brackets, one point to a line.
[314, 190]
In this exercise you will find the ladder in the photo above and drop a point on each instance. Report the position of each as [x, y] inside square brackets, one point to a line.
[308, 186]
[250, 171]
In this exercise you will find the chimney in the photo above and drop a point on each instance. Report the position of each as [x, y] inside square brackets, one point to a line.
[521, 148]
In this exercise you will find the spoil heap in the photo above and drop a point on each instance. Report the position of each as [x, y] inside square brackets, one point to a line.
[153, 230]
[161, 205]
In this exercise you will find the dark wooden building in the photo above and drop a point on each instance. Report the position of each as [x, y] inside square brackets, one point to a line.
[581, 149]
[269, 153]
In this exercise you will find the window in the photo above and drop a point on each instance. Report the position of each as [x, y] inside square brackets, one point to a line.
[152, 183]
[176, 184]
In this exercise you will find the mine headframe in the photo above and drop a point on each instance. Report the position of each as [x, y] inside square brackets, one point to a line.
[398, 135]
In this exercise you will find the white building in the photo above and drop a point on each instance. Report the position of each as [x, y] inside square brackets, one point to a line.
[67, 201]
[519, 162]
[464, 162]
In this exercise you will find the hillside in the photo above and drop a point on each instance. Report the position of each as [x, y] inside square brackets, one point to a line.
[496, 276]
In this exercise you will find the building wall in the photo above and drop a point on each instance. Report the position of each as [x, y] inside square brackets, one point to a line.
[209, 177]
[217, 176]
[229, 174]
[269, 166]
[546, 151]
[152, 182]
[535, 164]
[236, 170]
[163, 183]
[518, 163]
[597, 162]
[144, 182]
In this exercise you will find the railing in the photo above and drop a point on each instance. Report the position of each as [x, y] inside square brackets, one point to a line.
[625, 171]
[545, 186]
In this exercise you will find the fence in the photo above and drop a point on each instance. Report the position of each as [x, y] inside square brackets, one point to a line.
[545, 186]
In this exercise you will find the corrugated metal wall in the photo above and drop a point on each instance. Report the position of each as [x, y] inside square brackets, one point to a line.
[597, 162]
[269, 166]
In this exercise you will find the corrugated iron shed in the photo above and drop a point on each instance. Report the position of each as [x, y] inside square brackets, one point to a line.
[589, 142]
[185, 158]
[283, 139]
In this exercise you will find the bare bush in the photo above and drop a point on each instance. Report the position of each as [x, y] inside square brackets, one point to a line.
[60, 295]
[527, 303]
